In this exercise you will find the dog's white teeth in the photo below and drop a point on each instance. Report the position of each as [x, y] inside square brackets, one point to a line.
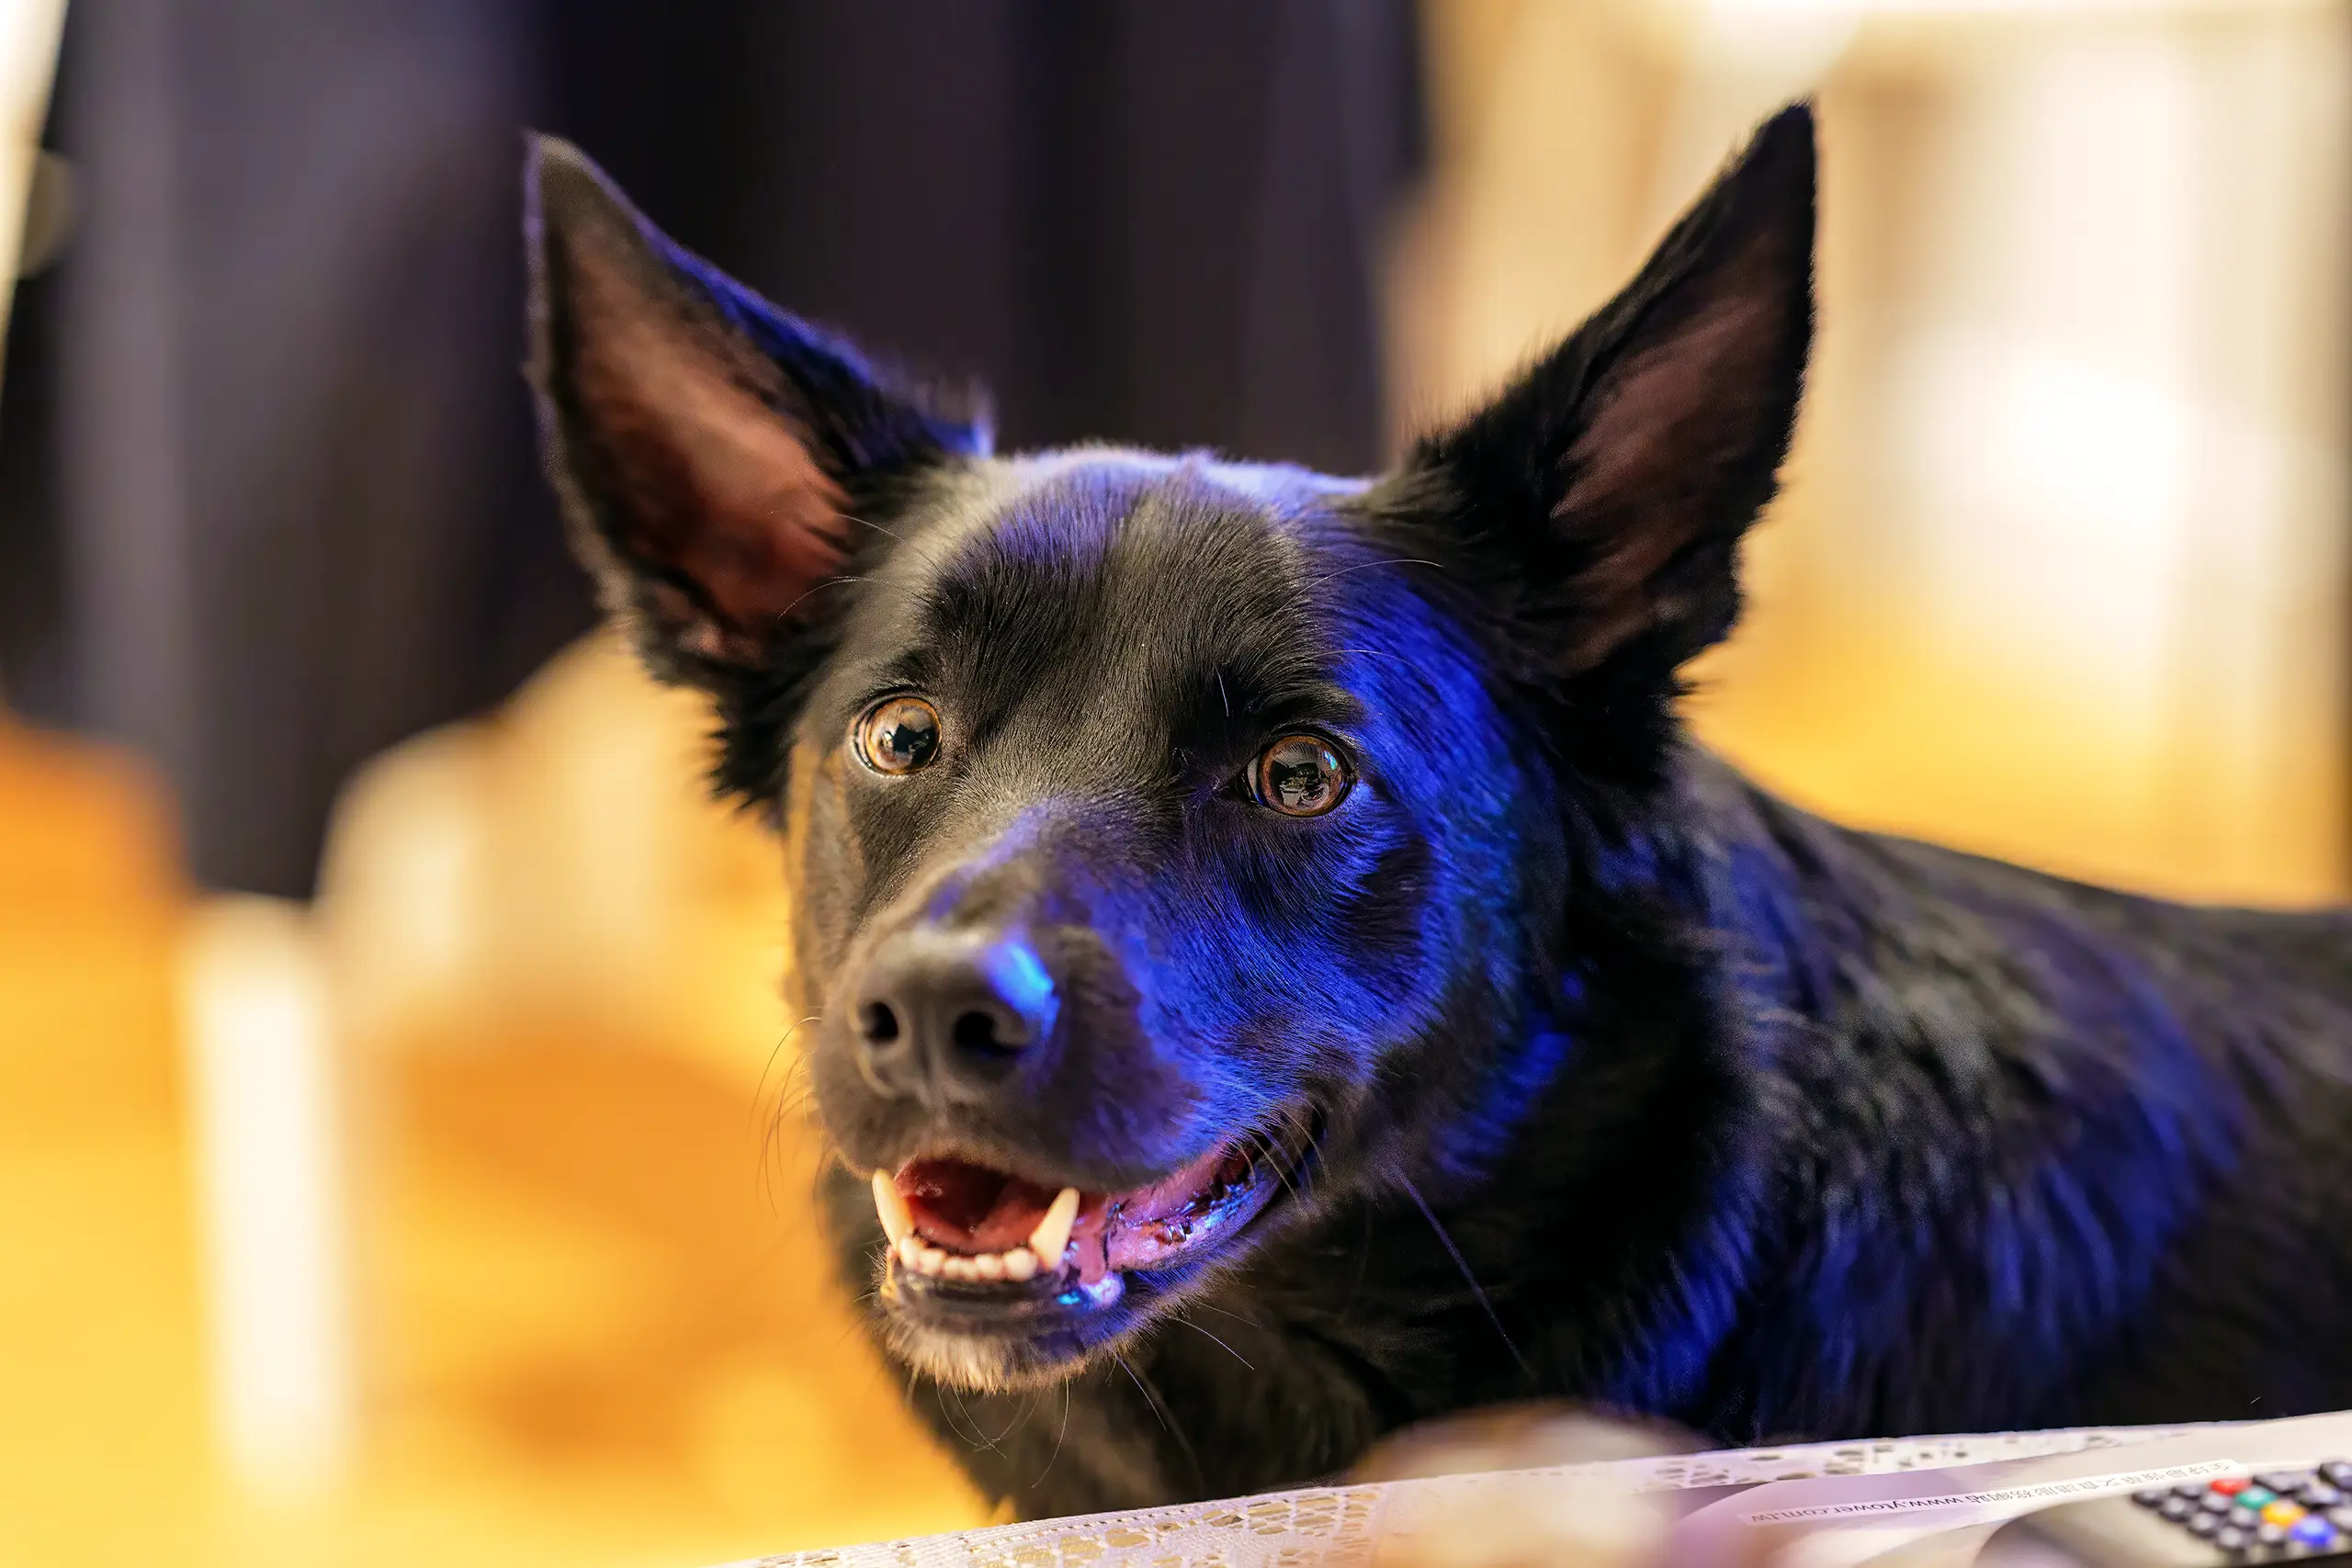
[917, 1257]
[898, 1223]
[1052, 1235]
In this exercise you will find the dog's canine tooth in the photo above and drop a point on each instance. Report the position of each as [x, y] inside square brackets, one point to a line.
[898, 1223]
[1052, 1235]
[910, 1253]
[1020, 1264]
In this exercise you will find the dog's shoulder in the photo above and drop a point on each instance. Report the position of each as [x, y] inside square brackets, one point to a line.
[1907, 903]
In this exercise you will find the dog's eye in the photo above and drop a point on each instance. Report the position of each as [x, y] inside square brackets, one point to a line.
[898, 735]
[1300, 776]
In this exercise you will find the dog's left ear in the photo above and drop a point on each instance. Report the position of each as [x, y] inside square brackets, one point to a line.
[711, 451]
[1617, 476]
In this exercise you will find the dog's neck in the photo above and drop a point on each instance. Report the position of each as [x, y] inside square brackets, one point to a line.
[1690, 1160]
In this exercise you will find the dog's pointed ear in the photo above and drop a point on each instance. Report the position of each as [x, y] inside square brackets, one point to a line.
[709, 449]
[1618, 475]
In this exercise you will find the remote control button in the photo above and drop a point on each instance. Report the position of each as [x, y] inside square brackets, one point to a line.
[2281, 1479]
[2229, 1537]
[2204, 1525]
[2229, 1486]
[2255, 1497]
[2271, 1534]
[2315, 1532]
[2338, 1473]
[2152, 1498]
[2213, 1503]
[2319, 1494]
[2282, 1512]
[2192, 1490]
[2175, 1508]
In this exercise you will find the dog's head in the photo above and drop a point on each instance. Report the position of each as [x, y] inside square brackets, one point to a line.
[1176, 841]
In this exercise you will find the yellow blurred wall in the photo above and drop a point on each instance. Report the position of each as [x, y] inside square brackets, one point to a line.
[2059, 572]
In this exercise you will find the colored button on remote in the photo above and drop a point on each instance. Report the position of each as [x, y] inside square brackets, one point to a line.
[2282, 1512]
[2314, 1531]
[2230, 1485]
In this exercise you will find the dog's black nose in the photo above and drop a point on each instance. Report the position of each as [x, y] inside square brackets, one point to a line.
[944, 1015]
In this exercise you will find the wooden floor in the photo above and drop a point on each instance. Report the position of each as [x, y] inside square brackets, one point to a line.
[596, 1328]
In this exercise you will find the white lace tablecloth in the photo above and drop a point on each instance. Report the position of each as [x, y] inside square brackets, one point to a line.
[1335, 1526]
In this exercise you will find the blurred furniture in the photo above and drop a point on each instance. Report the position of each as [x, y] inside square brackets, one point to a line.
[29, 32]
[295, 516]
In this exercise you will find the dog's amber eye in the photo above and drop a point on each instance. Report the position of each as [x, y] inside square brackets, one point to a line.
[1300, 776]
[898, 735]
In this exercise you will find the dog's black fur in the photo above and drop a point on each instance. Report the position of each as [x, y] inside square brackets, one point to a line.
[1634, 1086]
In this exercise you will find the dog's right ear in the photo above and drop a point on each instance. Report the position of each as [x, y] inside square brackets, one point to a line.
[1611, 483]
[710, 450]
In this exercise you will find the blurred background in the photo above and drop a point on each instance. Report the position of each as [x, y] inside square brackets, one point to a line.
[398, 1151]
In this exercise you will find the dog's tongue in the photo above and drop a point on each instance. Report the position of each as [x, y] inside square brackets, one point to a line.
[969, 1208]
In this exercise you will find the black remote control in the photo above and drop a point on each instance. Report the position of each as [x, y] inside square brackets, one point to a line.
[2282, 1516]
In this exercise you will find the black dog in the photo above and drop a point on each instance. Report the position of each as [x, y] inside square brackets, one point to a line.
[1287, 975]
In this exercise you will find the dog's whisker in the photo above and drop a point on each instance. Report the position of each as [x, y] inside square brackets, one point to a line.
[1381, 653]
[760, 1088]
[1282, 1174]
[979, 1439]
[890, 534]
[1213, 1339]
[1444, 1236]
[1368, 565]
[771, 1134]
[1014, 1424]
[845, 580]
[1250, 1323]
[1262, 1144]
[1151, 1402]
[1058, 1437]
[1151, 1398]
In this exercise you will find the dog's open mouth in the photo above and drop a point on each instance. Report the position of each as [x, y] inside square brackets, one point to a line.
[969, 1241]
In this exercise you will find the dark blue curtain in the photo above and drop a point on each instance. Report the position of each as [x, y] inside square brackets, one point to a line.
[267, 501]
